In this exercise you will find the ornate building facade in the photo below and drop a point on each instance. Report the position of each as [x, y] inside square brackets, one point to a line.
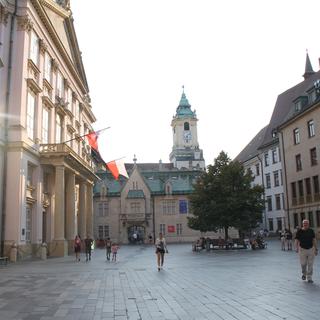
[155, 197]
[46, 167]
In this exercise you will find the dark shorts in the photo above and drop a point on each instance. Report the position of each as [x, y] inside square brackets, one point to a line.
[160, 250]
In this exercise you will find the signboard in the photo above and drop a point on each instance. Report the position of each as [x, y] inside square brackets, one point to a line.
[183, 206]
[171, 229]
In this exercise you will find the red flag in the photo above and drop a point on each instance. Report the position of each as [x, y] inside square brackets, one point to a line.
[93, 139]
[117, 167]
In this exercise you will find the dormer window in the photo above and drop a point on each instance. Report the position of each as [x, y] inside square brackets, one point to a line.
[168, 189]
[300, 103]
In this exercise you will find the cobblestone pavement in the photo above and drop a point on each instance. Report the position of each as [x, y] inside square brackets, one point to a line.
[242, 285]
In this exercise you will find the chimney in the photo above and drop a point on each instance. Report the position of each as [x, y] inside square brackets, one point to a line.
[160, 164]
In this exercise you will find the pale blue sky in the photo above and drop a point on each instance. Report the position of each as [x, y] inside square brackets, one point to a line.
[234, 58]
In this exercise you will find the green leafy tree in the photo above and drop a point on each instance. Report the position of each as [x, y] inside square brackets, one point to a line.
[224, 197]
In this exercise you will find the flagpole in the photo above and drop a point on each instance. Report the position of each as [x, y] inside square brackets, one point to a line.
[81, 137]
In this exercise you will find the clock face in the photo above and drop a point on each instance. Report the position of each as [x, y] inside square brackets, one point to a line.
[187, 136]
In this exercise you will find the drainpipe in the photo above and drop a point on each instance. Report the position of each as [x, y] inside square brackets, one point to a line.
[264, 195]
[3, 209]
[153, 219]
[286, 180]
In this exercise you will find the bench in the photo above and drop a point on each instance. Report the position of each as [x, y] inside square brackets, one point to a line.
[221, 244]
[3, 261]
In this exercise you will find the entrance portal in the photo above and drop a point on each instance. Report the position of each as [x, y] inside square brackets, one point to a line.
[136, 234]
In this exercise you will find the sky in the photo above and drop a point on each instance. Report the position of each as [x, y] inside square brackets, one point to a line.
[233, 57]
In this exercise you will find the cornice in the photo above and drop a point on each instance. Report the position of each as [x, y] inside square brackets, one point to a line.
[64, 13]
[38, 5]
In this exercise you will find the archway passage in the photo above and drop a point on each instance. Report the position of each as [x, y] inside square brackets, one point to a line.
[136, 234]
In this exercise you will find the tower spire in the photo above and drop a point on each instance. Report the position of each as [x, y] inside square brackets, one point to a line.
[308, 68]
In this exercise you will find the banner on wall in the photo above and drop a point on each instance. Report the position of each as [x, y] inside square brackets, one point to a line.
[171, 229]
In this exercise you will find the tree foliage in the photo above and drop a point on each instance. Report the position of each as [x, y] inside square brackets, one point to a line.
[225, 197]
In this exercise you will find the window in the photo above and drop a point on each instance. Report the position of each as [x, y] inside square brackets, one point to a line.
[300, 188]
[270, 224]
[100, 232]
[69, 99]
[103, 209]
[60, 85]
[269, 203]
[77, 110]
[58, 129]
[47, 67]
[106, 231]
[315, 184]
[281, 177]
[308, 186]
[257, 169]
[311, 131]
[279, 223]
[30, 114]
[278, 202]
[135, 207]
[268, 181]
[162, 228]
[186, 126]
[298, 162]
[293, 190]
[313, 156]
[310, 218]
[179, 229]
[274, 156]
[169, 207]
[276, 178]
[295, 220]
[266, 159]
[30, 175]
[296, 136]
[183, 206]
[318, 218]
[34, 48]
[302, 216]
[28, 223]
[45, 126]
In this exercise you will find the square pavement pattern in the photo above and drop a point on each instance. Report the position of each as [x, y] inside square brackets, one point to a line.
[230, 285]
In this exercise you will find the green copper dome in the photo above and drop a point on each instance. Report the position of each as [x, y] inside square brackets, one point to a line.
[184, 108]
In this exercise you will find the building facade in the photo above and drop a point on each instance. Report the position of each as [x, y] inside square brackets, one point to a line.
[48, 173]
[300, 140]
[155, 197]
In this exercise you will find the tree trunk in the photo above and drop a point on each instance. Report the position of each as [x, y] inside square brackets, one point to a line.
[226, 233]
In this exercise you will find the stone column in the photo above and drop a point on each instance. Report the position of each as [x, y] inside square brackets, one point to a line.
[82, 209]
[59, 245]
[70, 210]
[90, 210]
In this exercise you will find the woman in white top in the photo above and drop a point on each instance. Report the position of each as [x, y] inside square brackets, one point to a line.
[161, 249]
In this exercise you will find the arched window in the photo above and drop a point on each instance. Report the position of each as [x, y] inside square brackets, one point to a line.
[186, 126]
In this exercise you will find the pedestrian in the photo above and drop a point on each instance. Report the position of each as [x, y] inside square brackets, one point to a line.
[77, 247]
[306, 246]
[161, 249]
[114, 250]
[108, 248]
[283, 240]
[150, 238]
[88, 244]
[289, 239]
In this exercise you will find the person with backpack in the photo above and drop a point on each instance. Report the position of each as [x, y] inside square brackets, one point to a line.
[161, 249]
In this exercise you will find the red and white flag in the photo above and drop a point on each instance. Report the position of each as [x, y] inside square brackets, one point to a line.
[93, 139]
[117, 167]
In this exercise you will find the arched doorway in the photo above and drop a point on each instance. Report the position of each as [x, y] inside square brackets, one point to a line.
[136, 234]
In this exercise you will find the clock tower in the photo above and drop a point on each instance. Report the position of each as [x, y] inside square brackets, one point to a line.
[185, 151]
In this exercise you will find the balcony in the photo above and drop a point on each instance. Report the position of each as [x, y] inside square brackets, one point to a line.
[301, 200]
[132, 217]
[294, 201]
[61, 153]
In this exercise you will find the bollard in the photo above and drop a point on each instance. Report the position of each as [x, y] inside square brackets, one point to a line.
[44, 251]
[13, 252]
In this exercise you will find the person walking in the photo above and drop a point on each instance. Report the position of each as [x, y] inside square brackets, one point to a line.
[114, 250]
[306, 246]
[108, 248]
[289, 239]
[161, 249]
[88, 244]
[77, 247]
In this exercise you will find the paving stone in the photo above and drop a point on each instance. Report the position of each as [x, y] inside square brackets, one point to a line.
[220, 285]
